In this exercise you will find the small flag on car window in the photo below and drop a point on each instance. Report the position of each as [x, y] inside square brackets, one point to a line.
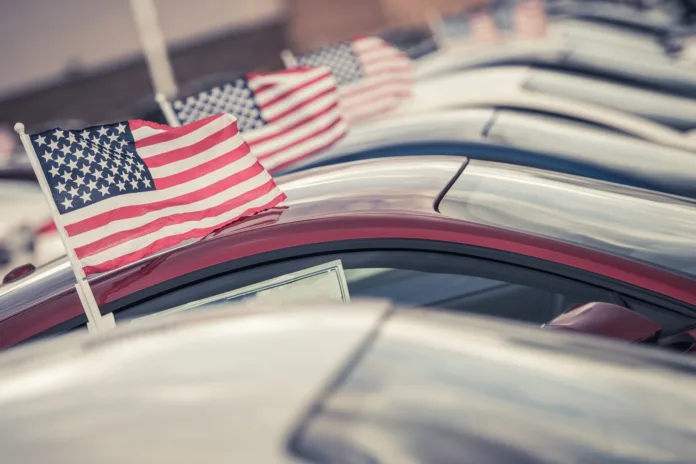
[125, 191]
[284, 116]
[373, 76]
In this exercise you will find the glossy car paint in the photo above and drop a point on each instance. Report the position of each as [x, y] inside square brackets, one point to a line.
[460, 392]
[516, 137]
[390, 199]
[505, 87]
[633, 67]
[204, 388]
[653, 20]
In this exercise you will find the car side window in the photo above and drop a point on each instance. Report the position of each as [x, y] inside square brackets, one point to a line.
[416, 278]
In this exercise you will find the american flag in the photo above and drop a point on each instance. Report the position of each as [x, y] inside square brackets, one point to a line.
[529, 19]
[484, 29]
[373, 76]
[128, 190]
[284, 116]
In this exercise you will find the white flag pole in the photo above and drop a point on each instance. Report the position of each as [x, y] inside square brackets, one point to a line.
[166, 107]
[437, 27]
[289, 59]
[154, 47]
[95, 321]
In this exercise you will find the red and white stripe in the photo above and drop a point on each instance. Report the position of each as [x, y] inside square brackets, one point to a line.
[484, 30]
[205, 177]
[529, 19]
[302, 113]
[388, 81]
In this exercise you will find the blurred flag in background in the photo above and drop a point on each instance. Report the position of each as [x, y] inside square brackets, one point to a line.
[484, 29]
[373, 76]
[284, 116]
[529, 19]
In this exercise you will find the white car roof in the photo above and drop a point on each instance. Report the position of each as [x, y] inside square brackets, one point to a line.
[234, 385]
[462, 125]
[254, 373]
[592, 32]
[503, 87]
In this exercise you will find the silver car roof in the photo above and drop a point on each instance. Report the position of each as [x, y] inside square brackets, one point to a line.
[231, 385]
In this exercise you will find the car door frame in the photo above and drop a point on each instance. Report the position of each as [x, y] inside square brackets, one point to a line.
[295, 258]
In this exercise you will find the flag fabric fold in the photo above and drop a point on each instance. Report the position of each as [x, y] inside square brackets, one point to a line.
[373, 76]
[284, 116]
[125, 191]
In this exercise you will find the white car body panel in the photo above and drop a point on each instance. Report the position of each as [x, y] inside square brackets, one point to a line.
[625, 54]
[503, 87]
[447, 126]
[300, 351]
[584, 31]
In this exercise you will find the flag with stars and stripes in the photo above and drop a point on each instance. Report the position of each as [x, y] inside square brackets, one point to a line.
[474, 28]
[128, 190]
[284, 116]
[373, 76]
[529, 19]
[484, 30]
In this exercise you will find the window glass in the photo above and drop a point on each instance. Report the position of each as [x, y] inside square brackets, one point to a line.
[326, 282]
[405, 277]
[645, 226]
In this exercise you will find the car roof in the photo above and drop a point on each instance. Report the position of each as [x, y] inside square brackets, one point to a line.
[373, 199]
[235, 384]
[649, 70]
[257, 414]
[335, 193]
[504, 87]
[518, 137]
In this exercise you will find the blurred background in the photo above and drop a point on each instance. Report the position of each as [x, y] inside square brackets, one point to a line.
[51, 72]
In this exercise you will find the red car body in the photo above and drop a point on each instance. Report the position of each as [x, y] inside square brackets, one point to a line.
[390, 199]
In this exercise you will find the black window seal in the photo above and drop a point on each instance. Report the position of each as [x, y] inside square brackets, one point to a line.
[504, 257]
[399, 258]
[74, 323]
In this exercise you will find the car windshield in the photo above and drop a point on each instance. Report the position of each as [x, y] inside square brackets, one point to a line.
[645, 226]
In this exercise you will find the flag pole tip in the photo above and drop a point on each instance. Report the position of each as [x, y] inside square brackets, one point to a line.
[19, 128]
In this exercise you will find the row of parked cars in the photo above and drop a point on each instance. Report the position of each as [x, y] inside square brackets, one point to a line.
[549, 182]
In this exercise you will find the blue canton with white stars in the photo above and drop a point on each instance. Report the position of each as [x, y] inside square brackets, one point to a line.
[340, 58]
[84, 167]
[235, 98]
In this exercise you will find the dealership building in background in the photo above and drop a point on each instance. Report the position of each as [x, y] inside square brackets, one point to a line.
[80, 59]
